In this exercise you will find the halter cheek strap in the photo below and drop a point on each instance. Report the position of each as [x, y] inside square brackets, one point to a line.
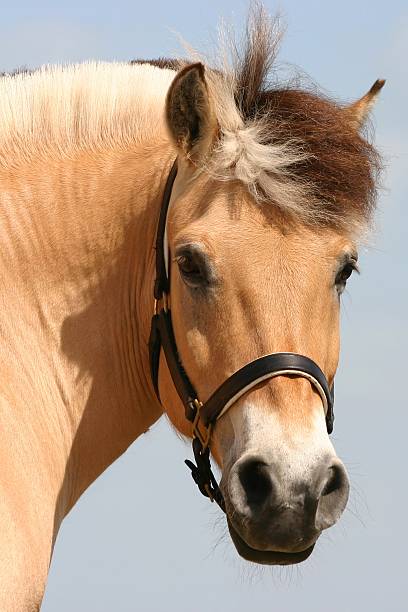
[204, 415]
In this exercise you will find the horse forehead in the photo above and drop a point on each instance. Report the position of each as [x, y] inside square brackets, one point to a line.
[248, 239]
[207, 204]
[232, 227]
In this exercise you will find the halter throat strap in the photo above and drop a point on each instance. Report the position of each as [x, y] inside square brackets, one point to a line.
[204, 415]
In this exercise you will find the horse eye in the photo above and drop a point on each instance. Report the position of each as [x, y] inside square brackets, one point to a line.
[189, 268]
[344, 274]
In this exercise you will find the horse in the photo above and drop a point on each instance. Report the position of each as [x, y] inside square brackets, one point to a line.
[264, 191]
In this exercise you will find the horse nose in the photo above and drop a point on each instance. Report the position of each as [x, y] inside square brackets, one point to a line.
[281, 506]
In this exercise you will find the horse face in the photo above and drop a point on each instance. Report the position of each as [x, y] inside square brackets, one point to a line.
[245, 283]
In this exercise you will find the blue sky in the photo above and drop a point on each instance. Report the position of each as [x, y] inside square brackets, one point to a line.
[142, 538]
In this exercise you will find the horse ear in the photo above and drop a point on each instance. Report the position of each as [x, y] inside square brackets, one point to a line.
[358, 112]
[190, 116]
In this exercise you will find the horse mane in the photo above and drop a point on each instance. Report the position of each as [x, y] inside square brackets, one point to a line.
[292, 146]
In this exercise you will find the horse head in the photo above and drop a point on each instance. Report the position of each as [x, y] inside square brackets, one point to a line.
[273, 190]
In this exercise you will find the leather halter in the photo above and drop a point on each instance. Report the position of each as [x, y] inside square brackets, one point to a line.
[204, 415]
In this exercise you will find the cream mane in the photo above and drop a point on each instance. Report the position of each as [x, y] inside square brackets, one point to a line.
[89, 106]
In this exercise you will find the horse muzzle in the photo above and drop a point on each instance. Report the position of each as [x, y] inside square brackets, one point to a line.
[274, 518]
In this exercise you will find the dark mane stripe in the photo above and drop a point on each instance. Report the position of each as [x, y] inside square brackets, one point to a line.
[161, 62]
[18, 71]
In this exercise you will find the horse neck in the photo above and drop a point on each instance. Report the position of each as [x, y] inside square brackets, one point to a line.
[106, 340]
[78, 276]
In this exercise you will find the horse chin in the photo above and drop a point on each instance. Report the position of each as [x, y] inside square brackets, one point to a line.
[267, 557]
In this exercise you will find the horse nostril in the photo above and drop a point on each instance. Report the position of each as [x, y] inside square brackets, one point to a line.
[334, 480]
[333, 497]
[255, 480]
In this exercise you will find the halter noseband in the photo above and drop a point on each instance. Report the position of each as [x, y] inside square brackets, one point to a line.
[204, 415]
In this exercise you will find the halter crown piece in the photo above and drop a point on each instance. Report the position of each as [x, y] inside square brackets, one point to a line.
[204, 415]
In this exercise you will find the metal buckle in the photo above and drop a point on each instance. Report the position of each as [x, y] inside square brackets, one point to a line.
[209, 493]
[164, 301]
[205, 436]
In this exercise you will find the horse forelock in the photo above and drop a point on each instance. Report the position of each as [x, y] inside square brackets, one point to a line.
[292, 146]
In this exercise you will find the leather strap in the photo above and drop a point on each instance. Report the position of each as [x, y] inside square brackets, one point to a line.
[161, 285]
[263, 368]
[180, 379]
